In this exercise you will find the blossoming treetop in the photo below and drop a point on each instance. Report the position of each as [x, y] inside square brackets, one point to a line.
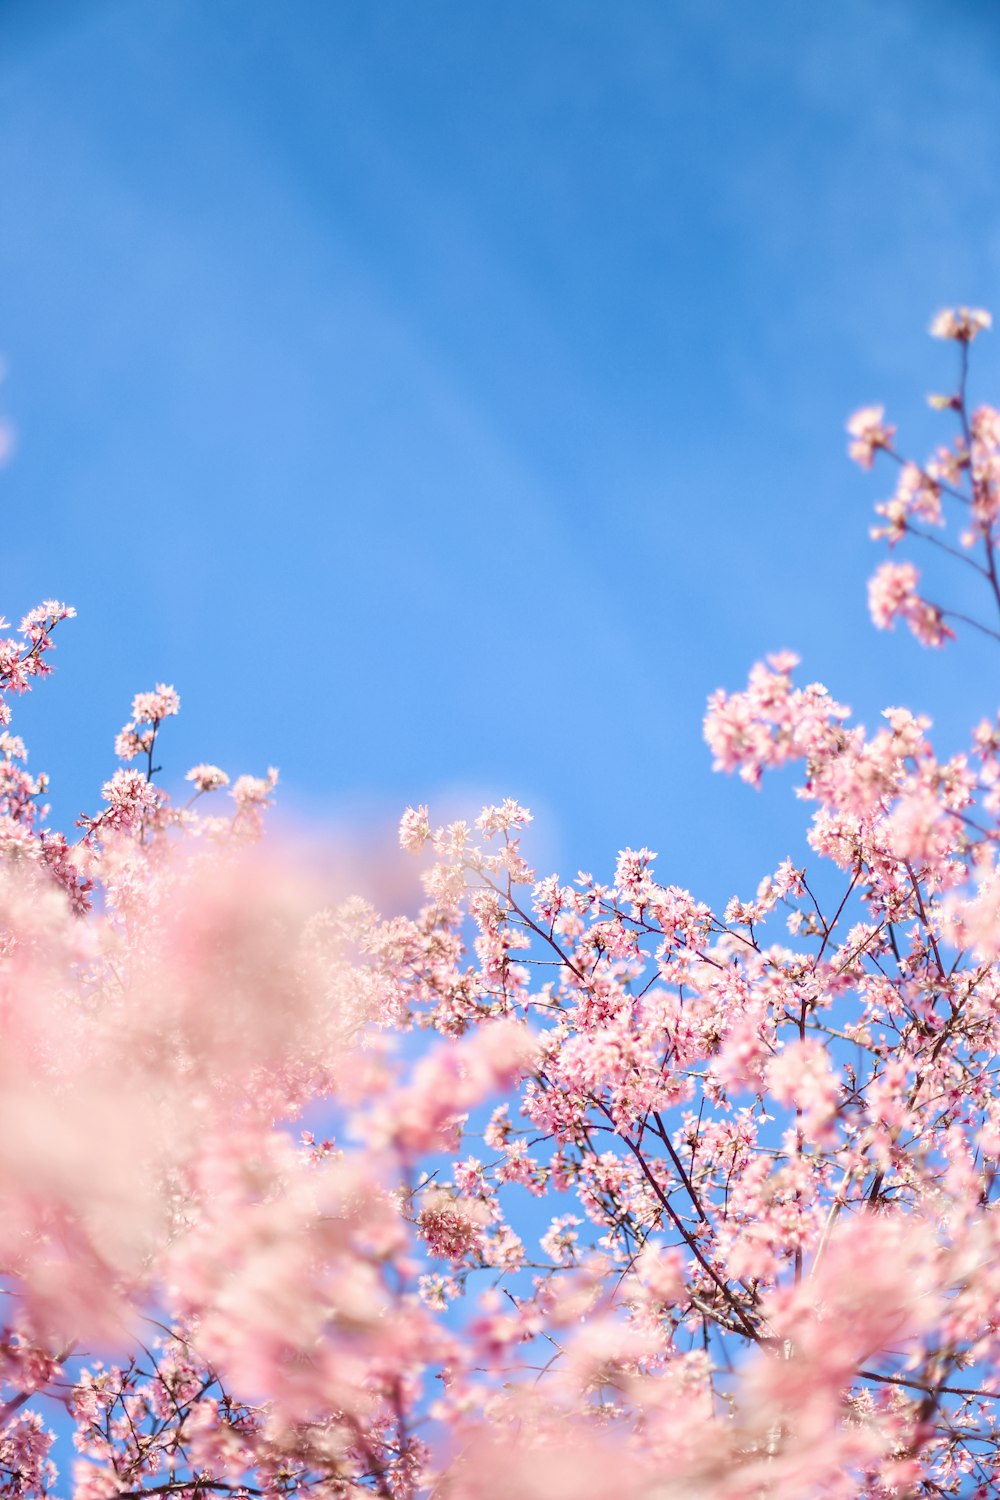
[763, 1142]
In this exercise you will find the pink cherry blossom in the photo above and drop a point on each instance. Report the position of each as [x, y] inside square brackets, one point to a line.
[559, 1188]
[207, 778]
[868, 432]
[961, 323]
[414, 829]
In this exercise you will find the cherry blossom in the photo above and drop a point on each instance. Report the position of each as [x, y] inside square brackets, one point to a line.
[559, 1188]
[961, 323]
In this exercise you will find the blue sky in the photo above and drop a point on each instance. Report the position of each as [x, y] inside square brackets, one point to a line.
[447, 397]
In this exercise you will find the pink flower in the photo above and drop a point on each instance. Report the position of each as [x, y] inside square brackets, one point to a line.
[161, 703]
[130, 797]
[892, 595]
[869, 433]
[451, 1226]
[252, 794]
[207, 778]
[40, 621]
[961, 323]
[892, 591]
[559, 1240]
[254, 791]
[414, 829]
[919, 829]
[509, 814]
[801, 1075]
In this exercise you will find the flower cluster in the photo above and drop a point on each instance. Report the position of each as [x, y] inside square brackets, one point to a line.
[148, 712]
